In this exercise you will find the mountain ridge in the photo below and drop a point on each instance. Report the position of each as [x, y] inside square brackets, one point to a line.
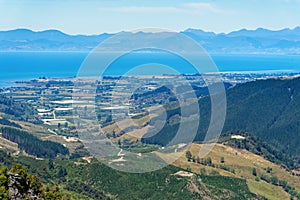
[297, 28]
[260, 40]
[268, 109]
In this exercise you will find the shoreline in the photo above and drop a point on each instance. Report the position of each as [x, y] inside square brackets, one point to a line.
[17, 82]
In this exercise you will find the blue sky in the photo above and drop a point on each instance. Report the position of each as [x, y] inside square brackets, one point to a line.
[98, 16]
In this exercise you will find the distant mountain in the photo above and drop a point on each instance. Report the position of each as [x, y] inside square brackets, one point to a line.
[284, 34]
[285, 41]
[50, 40]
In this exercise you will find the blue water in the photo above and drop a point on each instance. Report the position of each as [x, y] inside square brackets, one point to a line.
[30, 65]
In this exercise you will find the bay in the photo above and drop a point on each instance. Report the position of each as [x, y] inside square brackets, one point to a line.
[29, 65]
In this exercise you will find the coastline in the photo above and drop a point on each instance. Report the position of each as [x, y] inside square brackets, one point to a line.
[19, 82]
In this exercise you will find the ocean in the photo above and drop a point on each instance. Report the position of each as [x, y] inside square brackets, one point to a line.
[29, 65]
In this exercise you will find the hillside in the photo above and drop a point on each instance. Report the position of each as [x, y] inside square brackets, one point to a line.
[17, 183]
[257, 166]
[232, 162]
[78, 179]
[268, 109]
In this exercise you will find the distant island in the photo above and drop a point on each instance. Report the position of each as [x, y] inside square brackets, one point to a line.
[259, 41]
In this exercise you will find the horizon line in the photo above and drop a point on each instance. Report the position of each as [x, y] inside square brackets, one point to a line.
[134, 31]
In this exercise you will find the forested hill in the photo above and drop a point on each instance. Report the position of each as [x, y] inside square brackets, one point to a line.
[17, 111]
[269, 109]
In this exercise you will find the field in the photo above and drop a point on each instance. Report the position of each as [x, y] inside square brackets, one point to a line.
[242, 162]
[267, 190]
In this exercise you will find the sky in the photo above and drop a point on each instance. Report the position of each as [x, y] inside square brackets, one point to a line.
[110, 16]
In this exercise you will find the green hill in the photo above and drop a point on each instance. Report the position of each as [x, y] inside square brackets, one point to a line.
[78, 178]
[268, 109]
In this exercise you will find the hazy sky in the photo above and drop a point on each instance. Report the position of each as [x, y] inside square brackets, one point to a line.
[98, 16]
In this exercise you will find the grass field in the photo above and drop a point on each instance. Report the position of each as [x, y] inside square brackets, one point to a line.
[242, 162]
[267, 190]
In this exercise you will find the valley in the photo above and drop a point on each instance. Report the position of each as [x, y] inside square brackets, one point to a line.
[244, 164]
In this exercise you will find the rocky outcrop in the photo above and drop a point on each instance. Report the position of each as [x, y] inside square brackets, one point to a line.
[15, 190]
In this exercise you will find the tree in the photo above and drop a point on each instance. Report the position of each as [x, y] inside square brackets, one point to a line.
[114, 134]
[254, 173]
[194, 159]
[188, 155]
[62, 172]
[85, 110]
[209, 161]
[52, 193]
[222, 160]
[274, 180]
[268, 169]
[265, 178]
[188, 168]
[3, 183]
[282, 183]
[35, 184]
[214, 173]
[50, 164]
[202, 171]
[33, 145]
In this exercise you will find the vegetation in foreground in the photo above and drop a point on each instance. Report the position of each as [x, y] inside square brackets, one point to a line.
[78, 179]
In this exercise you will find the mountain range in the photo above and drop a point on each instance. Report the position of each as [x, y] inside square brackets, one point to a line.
[263, 41]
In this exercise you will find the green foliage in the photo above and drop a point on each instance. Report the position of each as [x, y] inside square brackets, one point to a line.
[52, 193]
[266, 108]
[79, 152]
[202, 171]
[254, 172]
[25, 182]
[222, 160]
[214, 173]
[50, 164]
[255, 145]
[98, 181]
[152, 185]
[188, 155]
[33, 145]
[97, 178]
[18, 111]
[269, 169]
[238, 186]
[6, 122]
[277, 182]
[3, 183]
[208, 162]
[274, 180]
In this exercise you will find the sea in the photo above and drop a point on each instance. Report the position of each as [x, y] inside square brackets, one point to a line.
[17, 66]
